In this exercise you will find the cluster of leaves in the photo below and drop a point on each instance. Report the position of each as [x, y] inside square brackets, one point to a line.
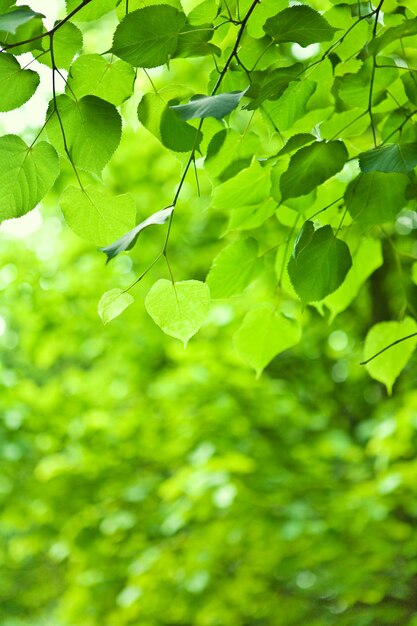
[310, 152]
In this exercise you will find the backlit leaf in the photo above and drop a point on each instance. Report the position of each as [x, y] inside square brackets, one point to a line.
[234, 268]
[17, 85]
[26, 175]
[376, 198]
[263, 334]
[209, 106]
[113, 303]
[179, 309]
[393, 157]
[387, 366]
[111, 80]
[299, 24]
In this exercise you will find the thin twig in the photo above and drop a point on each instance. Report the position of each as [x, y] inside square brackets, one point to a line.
[394, 343]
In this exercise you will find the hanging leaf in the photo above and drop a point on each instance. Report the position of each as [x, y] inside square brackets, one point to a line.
[17, 86]
[393, 157]
[311, 166]
[91, 11]
[234, 268]
[179, 309]
[387, 366]
[295, 142]
[148, 37]
[26, 175]
[209, 106]
[299, 24]
[97, 215]
[113, 303]
[93, 129]
[319, 264]
[10, 22]
[376, 198]
[264, 333]
[129, 239]
[68, 40]
[408, 28]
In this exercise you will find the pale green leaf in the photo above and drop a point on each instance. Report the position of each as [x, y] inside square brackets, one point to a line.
[179, 309]
[148, 37]
[129, 239]
[376, 198]
[93, 129]
[111, 80]
[97, 215]
[299, 24]
[387, 366]
[264, 333]
[319, 265]
[249, 187]
[311, 166]
[394, 34]
[68, 40]
[295, 142]
[17, 86]
[292, 105]
[393, 157]
[26, 175]
[113, 303]
[234, 268]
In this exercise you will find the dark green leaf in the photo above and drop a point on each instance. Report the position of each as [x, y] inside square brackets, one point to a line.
[394, 157]
[311, 166]
[376, 198]
[319, 267]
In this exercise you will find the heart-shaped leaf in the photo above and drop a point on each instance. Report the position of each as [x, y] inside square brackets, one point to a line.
[387, 366]
[113, 303]
[17, 86]
[395, 157]
[179, 309]
[26, 175]
[97, 215]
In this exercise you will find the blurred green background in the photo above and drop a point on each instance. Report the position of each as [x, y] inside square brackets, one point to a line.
[143, 484]
[146, 484]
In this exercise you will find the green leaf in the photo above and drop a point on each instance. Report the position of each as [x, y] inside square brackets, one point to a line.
[393, 157]
[148, 37]
[113, 303]
[10, 22]
[410, 85]
[68, 40]
[17, 86]
[387, 366]
[194, 41]
[26, 175]
[111, 80]
[319, 264]
[129, 239]
[366, 259]
[251, 186]
[179, 309]
[209, 106]
[311, 166]
[394, 34]
[299, 24]
[264, 333]
[295, 142]
[376, 198]
[234, 268]
[29, 31]
[93, 129]
[292, 105]
[271, 84]
[97, 215]
[92, 11]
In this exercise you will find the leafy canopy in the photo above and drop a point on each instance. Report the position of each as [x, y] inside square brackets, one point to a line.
[298, 121]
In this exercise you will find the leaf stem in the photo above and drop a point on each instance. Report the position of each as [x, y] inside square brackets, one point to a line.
[394, 343]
